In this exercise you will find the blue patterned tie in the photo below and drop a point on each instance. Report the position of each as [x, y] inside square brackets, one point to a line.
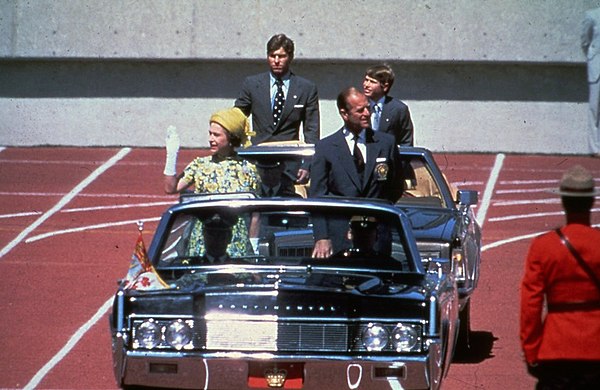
[376, 116]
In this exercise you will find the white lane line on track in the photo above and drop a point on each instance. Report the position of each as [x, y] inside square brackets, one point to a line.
[90, 227]
[463, 184]
[120, 206]
[510, 240]
[96, 208]
[120, 196]
[536, 182]
[39, 376]
[526, 201]
[66, 199]
[523, 191]
[554, 200]
[75, 162]
[16, 215]
[489, 189]
[525, 216]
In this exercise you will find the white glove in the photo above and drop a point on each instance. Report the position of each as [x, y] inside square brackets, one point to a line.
[172, 143]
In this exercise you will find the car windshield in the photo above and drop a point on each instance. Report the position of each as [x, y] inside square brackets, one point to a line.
[208, 239]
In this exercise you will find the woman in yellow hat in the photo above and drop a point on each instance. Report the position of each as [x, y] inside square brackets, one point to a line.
[221, 172]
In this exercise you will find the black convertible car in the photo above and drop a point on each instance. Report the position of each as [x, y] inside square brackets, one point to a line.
[242, 304]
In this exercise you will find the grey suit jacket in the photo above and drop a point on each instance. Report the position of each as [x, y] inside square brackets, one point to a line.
[590, 43]
[301, 108]
[395, 120]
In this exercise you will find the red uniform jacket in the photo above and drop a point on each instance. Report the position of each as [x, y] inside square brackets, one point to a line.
[551, 272]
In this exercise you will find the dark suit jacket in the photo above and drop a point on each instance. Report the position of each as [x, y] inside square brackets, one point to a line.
[333, 172]
[286, 190]
[396, 120]
[301, 107]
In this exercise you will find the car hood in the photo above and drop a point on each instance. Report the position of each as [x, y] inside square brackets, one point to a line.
[431, 223]
[366, 282]
[311, 303]
[314, 294]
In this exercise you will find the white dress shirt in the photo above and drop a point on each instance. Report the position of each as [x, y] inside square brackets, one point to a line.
[286, 86]
[361, 142]
[376, 113]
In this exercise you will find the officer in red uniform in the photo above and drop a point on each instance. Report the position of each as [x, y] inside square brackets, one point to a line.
[560, 294]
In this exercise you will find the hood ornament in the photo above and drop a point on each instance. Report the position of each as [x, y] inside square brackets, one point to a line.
[275, 378]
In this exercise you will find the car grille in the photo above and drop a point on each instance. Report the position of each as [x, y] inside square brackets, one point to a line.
[273, 336]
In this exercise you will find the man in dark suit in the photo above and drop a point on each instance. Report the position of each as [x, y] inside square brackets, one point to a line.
[355, 161]
[280, 101]
[389, 115]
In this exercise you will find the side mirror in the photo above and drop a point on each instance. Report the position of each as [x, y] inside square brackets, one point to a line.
[467, 197]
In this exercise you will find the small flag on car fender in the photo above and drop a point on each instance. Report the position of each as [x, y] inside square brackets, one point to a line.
[141, 274]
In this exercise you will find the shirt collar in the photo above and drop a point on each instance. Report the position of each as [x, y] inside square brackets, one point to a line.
[350, 136]
[378, 102]
[285, 78]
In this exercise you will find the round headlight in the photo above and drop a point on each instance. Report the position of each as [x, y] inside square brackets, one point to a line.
[178, 334]
[375, 337]
[404, 338]
[147, 335]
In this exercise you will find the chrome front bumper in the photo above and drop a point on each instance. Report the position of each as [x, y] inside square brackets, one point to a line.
[193, 370]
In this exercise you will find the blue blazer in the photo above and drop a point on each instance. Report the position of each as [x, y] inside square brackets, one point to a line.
[333, 171]
[395, 120]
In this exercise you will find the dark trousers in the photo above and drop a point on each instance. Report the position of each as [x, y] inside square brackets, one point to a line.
[567, 375]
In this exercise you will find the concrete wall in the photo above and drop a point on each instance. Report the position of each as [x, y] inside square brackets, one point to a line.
[478, 75]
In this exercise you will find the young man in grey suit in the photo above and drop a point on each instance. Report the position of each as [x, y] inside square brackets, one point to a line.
[590, 43]
[355, 161]
[389, 115]
[279, 118]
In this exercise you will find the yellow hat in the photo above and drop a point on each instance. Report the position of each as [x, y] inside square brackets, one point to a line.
[235, 122]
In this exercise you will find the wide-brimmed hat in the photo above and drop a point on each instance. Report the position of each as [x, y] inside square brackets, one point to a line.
[578, 182]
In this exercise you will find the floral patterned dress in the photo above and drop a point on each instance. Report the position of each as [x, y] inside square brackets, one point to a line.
[229, 175]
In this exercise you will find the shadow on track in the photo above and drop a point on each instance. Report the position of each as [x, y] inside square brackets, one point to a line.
[481, 344]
